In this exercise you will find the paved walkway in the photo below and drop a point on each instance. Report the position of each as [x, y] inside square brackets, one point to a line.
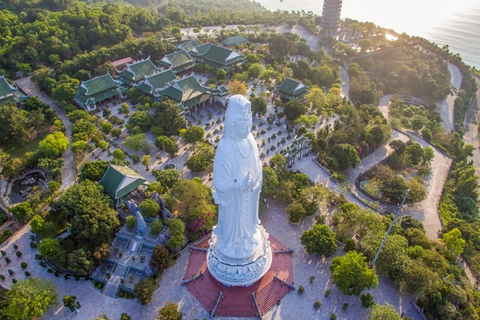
[68, 169]
[447, 104]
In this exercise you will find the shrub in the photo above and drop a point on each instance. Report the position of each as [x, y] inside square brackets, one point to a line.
[345, 306]
[27, 274]
[38, 256]
[24, 265]
[7, 260]
[317, 304]
[15, 247]
[66, 277]
[50, 271]
[367, 300]
[301, 289]
[10, 272]
[333, 316]
[14, 280]
[56, 273]
[18, 254]
[2, 252]
[312, 278]
[327, 293]
[2, 277]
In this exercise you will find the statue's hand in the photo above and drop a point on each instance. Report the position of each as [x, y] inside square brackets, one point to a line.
[247, 183]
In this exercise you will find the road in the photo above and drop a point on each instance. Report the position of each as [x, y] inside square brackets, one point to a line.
[68, 169]
[447, 105]
[471, 130]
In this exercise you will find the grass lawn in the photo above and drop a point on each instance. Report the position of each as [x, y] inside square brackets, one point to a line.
[18, 151]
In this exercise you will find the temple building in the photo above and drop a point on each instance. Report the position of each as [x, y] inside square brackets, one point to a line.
[189, 94]
[9, 93]
[178, 62]
[188, 46]
[331, 15]
[213, 55]
[134, 73]
[299, 148]
[152, 85]
[234, 40]
[291, 89]
[97, 90]
[119, 181]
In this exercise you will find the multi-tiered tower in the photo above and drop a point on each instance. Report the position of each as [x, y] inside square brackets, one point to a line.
[331, 15]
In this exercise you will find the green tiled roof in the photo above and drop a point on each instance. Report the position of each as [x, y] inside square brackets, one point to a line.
[201, 49]
[188, 46]
[179, 61]
[231, 41]
[118, 181]
[138, 70]
[5, 87]
[188, 92]
[156, 81]
[221, 55]
[97, 85]
[291, 88]
[93, 99]
[222, 90]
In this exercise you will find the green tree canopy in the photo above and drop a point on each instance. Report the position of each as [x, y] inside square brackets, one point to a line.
[29, 299]
[169, 312]
[167, 116]
[168, 178]
[454, 241]
[167, 144]
[53, 145]
[320, 240]
[49, 247]
[345, 156]
[93, 170]
[149, 208]
[294, 109]
[351, 273]
[384, 312]
[194, 134]
[22, 211]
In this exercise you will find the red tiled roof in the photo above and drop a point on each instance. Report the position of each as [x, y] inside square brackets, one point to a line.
[121, 62]
[238, 301]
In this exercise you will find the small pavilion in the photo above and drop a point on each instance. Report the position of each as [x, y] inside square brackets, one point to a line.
[299, 148]
[291, 89]
[119, 181]
[234, 40]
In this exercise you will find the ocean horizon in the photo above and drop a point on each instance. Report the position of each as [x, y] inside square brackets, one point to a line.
[445, 23]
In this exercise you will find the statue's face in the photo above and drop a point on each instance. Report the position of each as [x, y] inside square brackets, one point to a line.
[243, 126]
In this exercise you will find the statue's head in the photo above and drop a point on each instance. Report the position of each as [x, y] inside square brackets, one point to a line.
[238, 119]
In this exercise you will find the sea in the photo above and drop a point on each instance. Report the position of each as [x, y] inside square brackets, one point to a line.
[452, 23]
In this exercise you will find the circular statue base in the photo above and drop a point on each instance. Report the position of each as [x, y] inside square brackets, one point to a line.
[240, 272]
[239, 301]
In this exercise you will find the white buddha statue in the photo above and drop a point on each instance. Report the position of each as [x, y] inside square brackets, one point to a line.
[239, 248]
[237, 178]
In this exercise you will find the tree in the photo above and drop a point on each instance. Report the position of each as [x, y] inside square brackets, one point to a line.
[384, 312]
[259, 106]
[65, 91]
[144, 290]
[53, 145]
[118, 155]
[37, 223]
[49, 247]
[294, 109]
[106, 127]
[454, 241]
[202, 158]
[131, 221]
[167, 144]
[270, 181]
[14, 123]
[365, 44]
[255, 70]
[167, 116]
[221, 74]
[80, 261]
[12, 167]
[125, 317]
[169, 312]
[317, 98]
[168, 178]
[159, 259]
[89, 211]
[69, 302]
[351, 273]
[345, 155]
[149, 208]
[237, 87]
[30, 298]
[137, 142]
[395, 189]
[79, 146]
[156, 227]
[94, 170]
[140, 119]
[146, 160]
[22, 211]
[320, 240]
[194, 133]
[177, 230]
[296, 211]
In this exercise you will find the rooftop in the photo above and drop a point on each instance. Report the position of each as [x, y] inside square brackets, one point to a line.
[231, 41]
